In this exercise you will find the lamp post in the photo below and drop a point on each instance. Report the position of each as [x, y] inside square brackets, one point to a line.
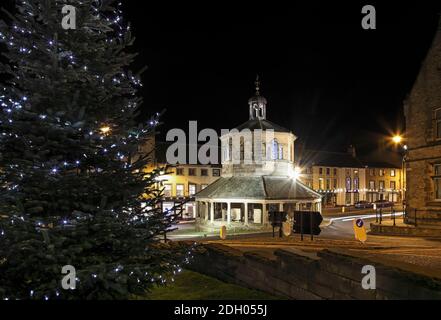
[398, 140]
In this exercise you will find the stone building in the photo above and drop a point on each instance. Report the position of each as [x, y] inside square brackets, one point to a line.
[258, 175]
[423, 134]
[343, 179]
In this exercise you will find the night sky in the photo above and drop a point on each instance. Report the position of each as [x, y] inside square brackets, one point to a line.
[325, 78]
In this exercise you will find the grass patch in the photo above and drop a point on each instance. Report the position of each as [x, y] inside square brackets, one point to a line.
[195, 286]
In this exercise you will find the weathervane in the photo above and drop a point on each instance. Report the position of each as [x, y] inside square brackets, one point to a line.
[257, 83]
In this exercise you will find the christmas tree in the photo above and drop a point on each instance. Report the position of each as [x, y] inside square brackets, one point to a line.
[74, 191]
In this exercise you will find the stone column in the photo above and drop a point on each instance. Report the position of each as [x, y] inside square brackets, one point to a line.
[212, 204]
[206, 211]
[228, 212]
[264, 214]
[245, 205]
[195, 209]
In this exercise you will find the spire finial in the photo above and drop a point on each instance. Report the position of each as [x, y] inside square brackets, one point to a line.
[257, 83]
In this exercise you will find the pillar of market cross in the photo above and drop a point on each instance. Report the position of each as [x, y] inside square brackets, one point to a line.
[258, 175]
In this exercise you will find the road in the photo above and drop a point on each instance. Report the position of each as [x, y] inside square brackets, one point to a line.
[333, 227]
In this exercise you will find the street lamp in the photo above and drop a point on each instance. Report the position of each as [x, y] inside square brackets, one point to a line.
[398, 140]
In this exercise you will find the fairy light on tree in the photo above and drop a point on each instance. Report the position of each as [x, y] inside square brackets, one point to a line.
[71, 192]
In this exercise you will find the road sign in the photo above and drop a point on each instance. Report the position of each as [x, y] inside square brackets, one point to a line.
[360, 230]
[307, 222]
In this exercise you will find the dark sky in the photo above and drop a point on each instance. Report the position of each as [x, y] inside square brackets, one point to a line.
[324, 77]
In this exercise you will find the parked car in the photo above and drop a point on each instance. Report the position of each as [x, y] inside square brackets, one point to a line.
[363, 205]
[383, 204]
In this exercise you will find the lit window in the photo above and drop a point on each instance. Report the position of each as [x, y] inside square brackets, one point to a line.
[321, 184]
[275, 150]
[393, 185]
[392, 173]
[192, 189]
[280, 152]
[372, 172]
[179, 190]
[356, 184]
[381, 185]
[381, 172]
[348, 184]
[167, 190]
[372, 185]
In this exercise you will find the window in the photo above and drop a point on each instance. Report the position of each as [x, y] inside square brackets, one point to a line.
[179, 190]
[320, 170]
[348, 198]
[438, 123]
[191, 171]
[381, 172]
[372, 172]
[381, 185]
[437, 181]
[348, 184]
[393, 185]
[191, 189]
[392, 173]
[356, 197]
[320, 183]
[167, 190]
[335, 171]
[275, 150]
[335, 183]
[216, 172]
[328, 171]
[372, 185]
[356, 184]
[280, 152]
[328, 184]
[204, 172]
[179, 171]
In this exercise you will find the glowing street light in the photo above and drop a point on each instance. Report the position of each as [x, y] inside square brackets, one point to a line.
[105, 130]
[296, 173]
[397, 139]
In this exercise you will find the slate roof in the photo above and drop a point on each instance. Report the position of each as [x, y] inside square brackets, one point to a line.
[256, 124]
[381, 159]
[330, 159]
[259, 188]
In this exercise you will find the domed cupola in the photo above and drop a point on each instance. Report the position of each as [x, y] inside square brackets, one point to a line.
[257, 104]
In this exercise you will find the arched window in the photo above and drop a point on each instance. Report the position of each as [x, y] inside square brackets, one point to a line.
[275, 150]
[280, 152]
[242, 149]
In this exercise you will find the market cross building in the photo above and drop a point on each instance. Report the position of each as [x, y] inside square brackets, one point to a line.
[255, 183]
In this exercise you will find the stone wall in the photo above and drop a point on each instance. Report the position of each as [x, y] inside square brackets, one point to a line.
[424, 147]
[300, 275]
